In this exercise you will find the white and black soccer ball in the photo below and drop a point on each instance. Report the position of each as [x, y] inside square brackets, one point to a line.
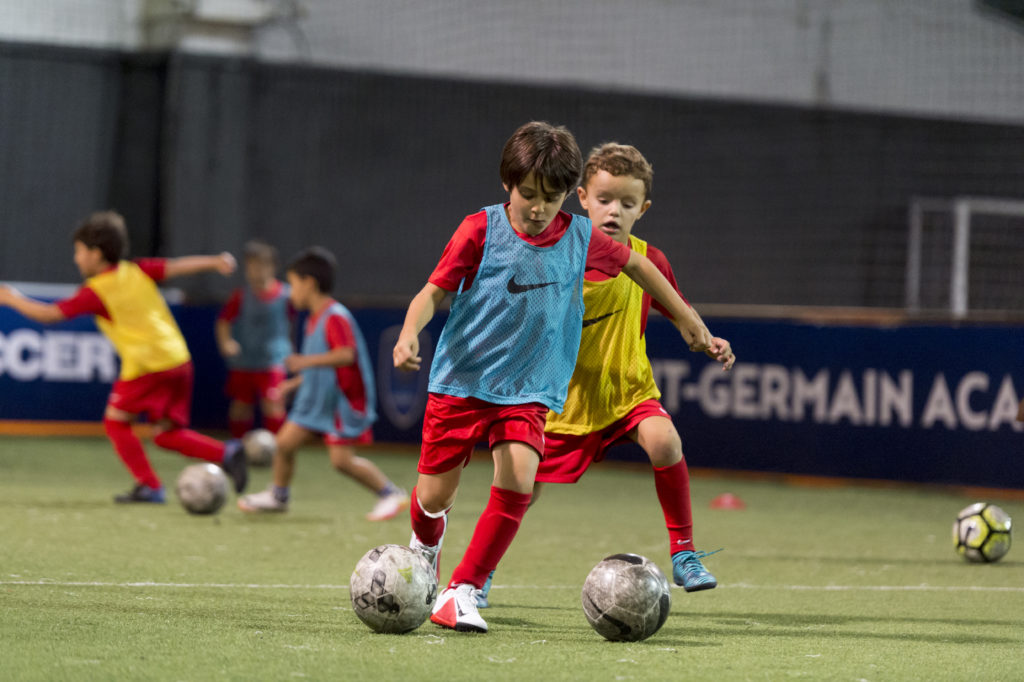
[259, 446]
[982, 532]
[393, 589]
[626, 598]
[202, 488]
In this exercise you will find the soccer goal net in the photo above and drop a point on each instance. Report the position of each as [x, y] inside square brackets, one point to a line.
[965, 254]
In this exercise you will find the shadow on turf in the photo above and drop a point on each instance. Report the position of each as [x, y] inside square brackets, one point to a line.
[816, 625]
[861, 559]
[59, 504]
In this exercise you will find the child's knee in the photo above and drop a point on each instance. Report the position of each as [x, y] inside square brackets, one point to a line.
[163, 436]
[666, 451]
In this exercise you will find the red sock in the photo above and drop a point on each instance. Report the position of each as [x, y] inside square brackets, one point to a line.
[673, 486]
[129, 449]
[239, 427]
[191, 444]
[273, 424]
[428, 529]
[492, 536]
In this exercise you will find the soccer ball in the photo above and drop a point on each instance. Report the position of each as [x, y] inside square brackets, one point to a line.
[259, 446]
[981, 532]
[393, 589]
[202, 488]
[626, 598]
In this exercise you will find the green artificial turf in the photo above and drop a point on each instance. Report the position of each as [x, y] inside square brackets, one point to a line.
[846, 583]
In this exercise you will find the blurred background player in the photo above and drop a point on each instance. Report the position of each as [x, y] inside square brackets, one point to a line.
[612, 394]
[253, 335]
[156, 368]
[336, 393]
[508, 349]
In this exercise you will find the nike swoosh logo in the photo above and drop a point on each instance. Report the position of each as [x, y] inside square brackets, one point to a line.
[516, 288]
[595, 320]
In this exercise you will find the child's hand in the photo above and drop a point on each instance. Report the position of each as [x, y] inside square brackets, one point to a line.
[289, 386]
[406, 353]
[230, 348]
[226, 263]
[721, 351]
[295, 363]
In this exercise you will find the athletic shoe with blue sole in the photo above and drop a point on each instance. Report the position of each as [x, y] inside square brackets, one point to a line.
[688, 571]
[481, 594]
[235, 464]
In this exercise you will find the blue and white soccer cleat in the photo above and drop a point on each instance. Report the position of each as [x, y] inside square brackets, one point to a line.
[481, 594]
[235, 464]
[688, 571]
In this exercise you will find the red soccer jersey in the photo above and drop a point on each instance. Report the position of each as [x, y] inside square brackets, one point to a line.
[231, 309]
[86, 302]
[340, 335]
[461, 257]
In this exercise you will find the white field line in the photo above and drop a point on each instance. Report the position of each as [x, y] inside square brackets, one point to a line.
[734, 586]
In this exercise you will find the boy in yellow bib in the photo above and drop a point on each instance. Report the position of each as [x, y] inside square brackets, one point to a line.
[156, 368]
[612, 394]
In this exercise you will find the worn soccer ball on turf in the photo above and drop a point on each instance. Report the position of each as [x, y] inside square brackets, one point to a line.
[259, 446]
[202, 488]
[393, 589]
[626, 598]
[981, 532]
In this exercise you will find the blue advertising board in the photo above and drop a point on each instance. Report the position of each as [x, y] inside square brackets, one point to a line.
[923, 403]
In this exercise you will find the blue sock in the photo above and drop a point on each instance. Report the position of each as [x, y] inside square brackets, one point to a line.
[280, 493]
[388, 489]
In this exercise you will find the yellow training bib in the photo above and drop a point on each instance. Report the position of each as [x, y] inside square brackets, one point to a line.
[140, 326]
[613, 374]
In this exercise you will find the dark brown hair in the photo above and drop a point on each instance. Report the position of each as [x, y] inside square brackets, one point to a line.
[618, 160]
[259, 250]
[318, 263]
[106, 231]
[549, 152]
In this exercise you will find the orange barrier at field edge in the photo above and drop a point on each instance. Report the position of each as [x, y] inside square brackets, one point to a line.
[57, 428]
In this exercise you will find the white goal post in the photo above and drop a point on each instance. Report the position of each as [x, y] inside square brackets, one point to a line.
[962, 209]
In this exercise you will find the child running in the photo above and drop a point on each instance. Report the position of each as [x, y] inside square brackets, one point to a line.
[336, 393]
[156, 367]
[508, 349]
[612, 394]
[253, 337]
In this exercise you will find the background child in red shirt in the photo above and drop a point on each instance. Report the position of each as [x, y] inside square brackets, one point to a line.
[336, 393]
[156, 368]
[253, 335]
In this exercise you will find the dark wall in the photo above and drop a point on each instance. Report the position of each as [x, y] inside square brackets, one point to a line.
[752, 203]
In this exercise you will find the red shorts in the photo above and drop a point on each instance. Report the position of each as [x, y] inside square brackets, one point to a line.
[567, 456]
[365, 438]
[160, 395]
[453, 426]
[247, 386]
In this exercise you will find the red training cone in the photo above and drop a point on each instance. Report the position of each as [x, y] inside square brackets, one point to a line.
[728, 501]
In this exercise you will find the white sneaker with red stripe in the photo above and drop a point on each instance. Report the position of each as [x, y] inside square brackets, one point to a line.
[388, 506]
[456, 609]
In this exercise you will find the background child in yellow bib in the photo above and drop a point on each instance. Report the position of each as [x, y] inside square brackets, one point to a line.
[156, 367]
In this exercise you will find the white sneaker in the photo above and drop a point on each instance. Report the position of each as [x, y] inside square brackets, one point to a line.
[456, 609]
[263, 501]
[432, 553]
[387, 507]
